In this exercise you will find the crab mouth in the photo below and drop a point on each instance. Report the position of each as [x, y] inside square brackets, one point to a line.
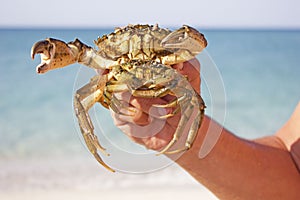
[45, 49]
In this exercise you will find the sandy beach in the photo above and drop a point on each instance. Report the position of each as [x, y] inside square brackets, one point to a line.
[82, 178]
[146, 194]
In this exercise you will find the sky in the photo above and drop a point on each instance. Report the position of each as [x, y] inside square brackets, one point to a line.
[111, 13]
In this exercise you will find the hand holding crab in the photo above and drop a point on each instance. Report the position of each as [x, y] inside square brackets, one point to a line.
[148, 117]
[138, 60]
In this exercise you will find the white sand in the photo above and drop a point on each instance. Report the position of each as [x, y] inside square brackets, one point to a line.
[110, 194]
[84, 179]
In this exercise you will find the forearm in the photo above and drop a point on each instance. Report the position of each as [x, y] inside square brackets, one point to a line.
[241, 169]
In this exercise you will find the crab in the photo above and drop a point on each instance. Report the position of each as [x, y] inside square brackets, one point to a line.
[137, 59]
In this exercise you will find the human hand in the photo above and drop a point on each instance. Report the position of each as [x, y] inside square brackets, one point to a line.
[145, 126]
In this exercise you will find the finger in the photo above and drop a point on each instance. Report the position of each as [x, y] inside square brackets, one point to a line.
[145, 105]
[190, 69]
[139, 117]
[142, 119]
[152, 140]
[139, 131]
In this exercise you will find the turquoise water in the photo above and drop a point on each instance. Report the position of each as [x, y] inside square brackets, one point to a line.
[260, 71]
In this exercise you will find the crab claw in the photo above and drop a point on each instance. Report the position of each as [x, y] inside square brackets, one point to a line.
[54, 54]
[185, 38]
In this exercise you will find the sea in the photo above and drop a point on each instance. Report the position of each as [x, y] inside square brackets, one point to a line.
[250, 82]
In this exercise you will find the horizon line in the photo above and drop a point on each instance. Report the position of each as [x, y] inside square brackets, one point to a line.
[107, 27]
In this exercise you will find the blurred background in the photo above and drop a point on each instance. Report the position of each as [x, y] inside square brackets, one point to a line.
[254, 46]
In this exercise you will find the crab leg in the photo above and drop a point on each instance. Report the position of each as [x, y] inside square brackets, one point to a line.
[84, 99]
[187, 105]
[186, 113]
[192, 132]
[110, 101]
